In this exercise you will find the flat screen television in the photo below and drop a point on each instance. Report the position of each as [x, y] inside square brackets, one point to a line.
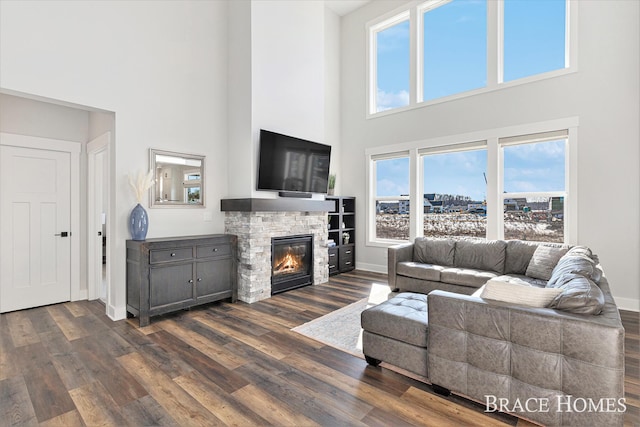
[295, 167]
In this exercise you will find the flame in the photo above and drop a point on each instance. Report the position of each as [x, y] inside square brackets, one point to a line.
[288, 264]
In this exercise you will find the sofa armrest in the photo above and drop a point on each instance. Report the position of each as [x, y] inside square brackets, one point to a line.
[396, 254]
[479, 348]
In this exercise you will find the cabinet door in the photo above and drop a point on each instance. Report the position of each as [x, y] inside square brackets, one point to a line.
[346, 258]
[170, 285]
[333, 260]
[213, 278]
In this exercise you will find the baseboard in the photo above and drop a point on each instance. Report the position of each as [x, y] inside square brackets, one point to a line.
[630, 304]
[116, 313]
[375, 268]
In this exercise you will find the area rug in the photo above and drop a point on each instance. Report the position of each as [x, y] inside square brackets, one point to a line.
[341, 328]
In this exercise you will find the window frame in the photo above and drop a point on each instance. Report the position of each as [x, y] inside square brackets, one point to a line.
[373, 198]
[495, 53]
[372, 31]
[495, 180]
[446, 149]
[532, 139]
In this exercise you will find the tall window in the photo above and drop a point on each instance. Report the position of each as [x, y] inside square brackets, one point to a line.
[534, 37]
[392, 59]
[454, 47]
[511, 183]
[534, 187]
[454, 43]
[455, 193]
[391, 190]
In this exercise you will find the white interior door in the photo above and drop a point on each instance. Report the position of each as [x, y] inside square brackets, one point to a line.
[35, 214]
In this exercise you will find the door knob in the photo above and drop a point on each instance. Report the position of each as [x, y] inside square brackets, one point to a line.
[63, 234]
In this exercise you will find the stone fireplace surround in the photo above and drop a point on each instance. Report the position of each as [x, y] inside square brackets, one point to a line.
[256, 221]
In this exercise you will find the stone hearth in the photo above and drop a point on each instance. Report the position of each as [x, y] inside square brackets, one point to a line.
[255, 230]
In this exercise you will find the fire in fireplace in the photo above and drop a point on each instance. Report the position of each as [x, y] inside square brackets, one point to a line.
[291, 262]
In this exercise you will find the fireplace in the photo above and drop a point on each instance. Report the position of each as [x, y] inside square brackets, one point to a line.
[291, 262]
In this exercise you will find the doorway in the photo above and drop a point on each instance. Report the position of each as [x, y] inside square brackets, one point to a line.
[98, 151]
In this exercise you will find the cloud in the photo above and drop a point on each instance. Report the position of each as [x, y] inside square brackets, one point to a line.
[388, 187]
[389, 100]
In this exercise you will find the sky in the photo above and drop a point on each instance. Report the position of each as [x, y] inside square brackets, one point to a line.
[527, 168]
[455, 61]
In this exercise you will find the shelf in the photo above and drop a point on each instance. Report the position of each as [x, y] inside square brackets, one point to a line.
[342, 221]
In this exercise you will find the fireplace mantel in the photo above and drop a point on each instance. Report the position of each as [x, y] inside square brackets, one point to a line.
[276, 205]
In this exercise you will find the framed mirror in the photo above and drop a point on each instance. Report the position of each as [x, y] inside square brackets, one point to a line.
[179, 179]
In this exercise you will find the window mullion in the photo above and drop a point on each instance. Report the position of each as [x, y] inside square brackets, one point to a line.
[495, 30]
[415, 189]
[413, 57]
[494, 190]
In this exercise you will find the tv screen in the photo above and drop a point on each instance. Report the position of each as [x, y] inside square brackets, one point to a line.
[292, 164]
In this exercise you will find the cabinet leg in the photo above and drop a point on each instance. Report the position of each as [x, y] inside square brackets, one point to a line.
[144, 321]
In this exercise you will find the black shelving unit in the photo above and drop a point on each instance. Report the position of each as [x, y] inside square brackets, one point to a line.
[342, 223]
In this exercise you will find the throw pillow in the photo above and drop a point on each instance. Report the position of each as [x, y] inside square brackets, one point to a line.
[579, 295]
[515, 293]
[543, 261]
[572, 263]
[434, 251]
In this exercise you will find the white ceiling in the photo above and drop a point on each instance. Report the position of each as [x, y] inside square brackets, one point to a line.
[342, 7]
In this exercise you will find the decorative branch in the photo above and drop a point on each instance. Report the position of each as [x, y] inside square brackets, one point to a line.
[141, 184]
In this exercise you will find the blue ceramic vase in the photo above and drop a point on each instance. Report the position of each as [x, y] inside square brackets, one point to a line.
[138, 223]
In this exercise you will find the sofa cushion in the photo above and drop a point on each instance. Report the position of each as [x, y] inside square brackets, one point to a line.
[577, 262]
[433, 251]
[518, 255]
[579, 295]
[543, 261]
[466, 276]
[419, 271]
[486, 255]
[403, 318]
[516, 291]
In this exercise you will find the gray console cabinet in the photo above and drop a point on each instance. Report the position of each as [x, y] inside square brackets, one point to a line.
[169, 274]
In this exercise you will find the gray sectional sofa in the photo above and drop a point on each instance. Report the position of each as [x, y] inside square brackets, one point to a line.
[509, 322]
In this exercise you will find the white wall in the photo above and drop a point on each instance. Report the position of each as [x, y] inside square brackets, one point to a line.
[332, 92]
[24, 116]
[287, 63]
[242, 163]
[277, 70]
[604, 94]
[160, 66]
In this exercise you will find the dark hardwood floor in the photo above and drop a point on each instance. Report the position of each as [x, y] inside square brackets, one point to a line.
[223, 364]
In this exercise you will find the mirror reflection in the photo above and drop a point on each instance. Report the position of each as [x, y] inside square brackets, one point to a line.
[179, 179]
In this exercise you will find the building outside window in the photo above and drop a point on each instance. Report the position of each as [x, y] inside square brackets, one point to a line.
[534, 187]
[455, 199]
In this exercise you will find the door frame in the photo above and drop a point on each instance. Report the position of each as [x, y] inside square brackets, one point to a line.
[74, 149]
[97, 145]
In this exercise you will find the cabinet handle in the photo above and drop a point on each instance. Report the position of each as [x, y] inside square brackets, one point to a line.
[199, 279]
[173, 254]
[348, 262]
[190, 280]
[331, 255]
[215, 249]
[347, 252]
